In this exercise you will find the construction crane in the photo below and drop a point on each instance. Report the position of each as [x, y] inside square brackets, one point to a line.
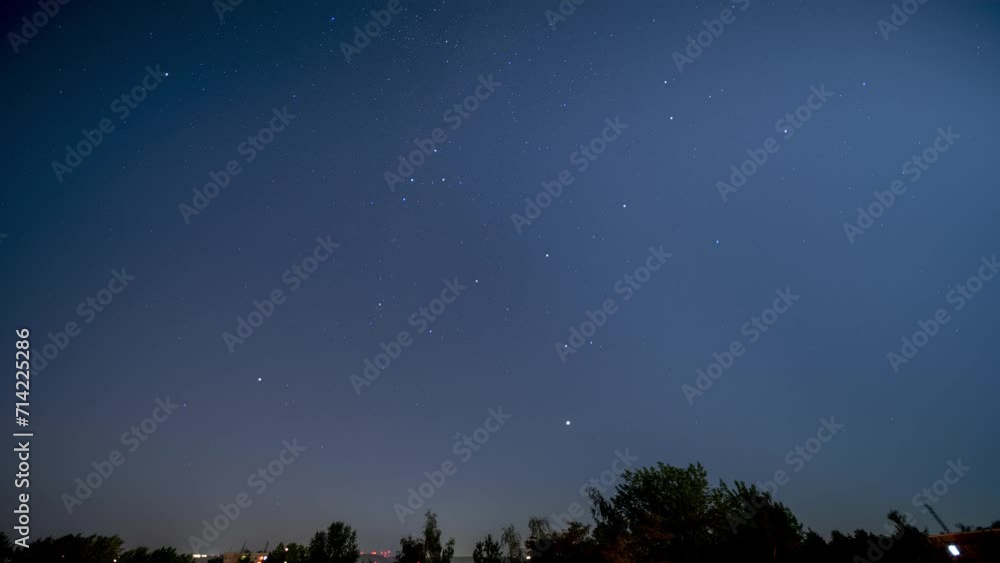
[936, 517]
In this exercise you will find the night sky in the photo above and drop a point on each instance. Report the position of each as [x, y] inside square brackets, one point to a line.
[160, 281]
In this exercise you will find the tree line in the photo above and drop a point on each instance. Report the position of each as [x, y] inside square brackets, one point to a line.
[659, 514]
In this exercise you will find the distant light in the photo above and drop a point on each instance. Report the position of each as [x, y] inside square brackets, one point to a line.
[568, 423]
[953, 550]
[260, 379]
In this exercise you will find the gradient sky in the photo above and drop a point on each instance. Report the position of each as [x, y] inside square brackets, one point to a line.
[495, 345]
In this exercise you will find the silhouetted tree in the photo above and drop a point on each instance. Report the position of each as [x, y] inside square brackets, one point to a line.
[434, 552]
[660, 513]
[572, 545]
[161, 555]
[317, 547]
[429, 548]
[291, 553]
[72, 548]
[6, 548]
[411, 550]
[539, 537]
[511, 543]
[487, 551]
[756, 527]
[337, 544]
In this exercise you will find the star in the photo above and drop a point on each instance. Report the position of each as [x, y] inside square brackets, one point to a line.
[568, 423]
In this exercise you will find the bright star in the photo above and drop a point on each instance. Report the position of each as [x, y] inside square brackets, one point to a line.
[568, 423]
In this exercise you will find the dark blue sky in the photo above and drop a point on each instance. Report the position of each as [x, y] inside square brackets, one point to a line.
[494, 346]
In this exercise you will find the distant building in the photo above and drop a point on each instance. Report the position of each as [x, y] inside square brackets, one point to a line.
[981, 545]
[257, 557]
